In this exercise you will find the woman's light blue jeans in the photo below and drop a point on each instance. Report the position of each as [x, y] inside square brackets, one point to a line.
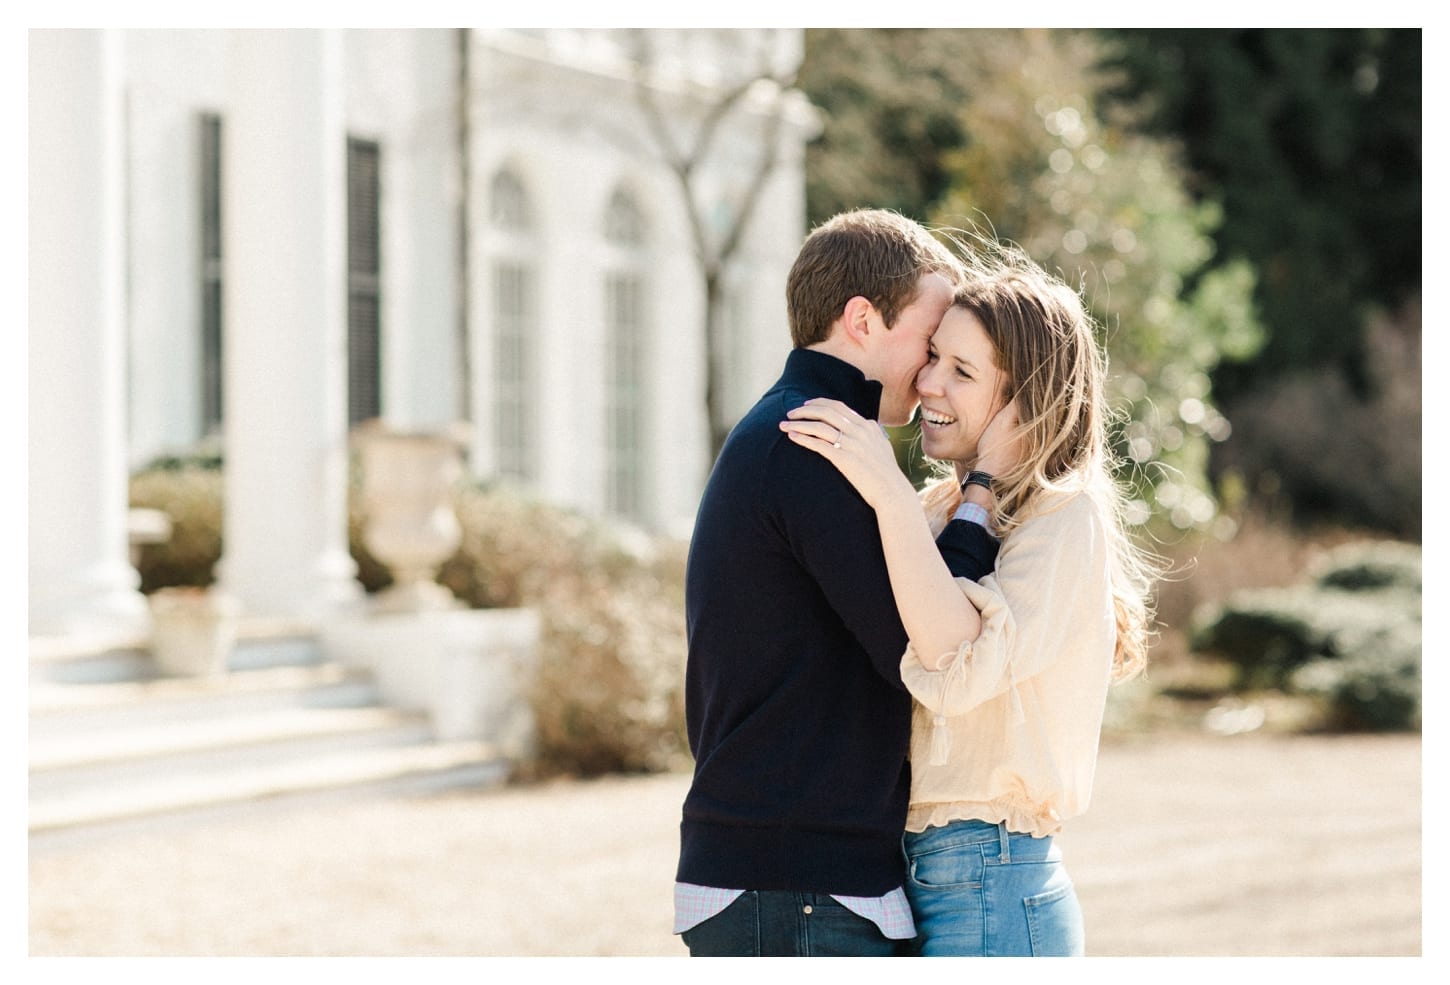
[978, 890]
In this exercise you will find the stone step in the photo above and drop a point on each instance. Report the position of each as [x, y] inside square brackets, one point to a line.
[160, 800]
[114, 745]
[59, 709]
[65, 762]
[112, 659]
[102, 666]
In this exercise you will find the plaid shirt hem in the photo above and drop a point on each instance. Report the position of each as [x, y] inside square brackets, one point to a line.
[973, 513]
[891, 913]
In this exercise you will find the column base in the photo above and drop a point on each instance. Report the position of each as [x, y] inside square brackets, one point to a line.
[313, 594]
[100, 601]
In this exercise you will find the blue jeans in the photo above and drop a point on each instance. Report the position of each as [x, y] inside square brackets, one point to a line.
[786, 924]
[978, 890]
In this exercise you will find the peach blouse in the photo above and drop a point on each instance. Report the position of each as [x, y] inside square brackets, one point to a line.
[1008, 729]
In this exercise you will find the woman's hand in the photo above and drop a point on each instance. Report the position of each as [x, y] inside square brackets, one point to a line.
[1001, 448]
[855, 445]
[935, 613]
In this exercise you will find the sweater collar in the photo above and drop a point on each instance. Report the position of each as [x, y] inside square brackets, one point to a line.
[827, 376]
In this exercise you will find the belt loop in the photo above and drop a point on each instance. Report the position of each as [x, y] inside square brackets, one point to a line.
[1006, 856]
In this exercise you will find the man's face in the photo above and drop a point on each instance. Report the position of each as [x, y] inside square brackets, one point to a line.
[900, 351]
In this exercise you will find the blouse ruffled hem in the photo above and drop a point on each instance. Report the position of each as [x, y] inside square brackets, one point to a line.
[1022, 817]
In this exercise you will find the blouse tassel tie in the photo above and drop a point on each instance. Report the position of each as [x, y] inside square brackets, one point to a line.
[941, 740]
[1017, 712]
[941, 732]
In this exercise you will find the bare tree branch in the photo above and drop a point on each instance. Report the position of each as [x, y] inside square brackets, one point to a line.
[686, 158]
[755, 188]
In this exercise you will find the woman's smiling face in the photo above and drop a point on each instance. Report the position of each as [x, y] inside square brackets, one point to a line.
[961, 388]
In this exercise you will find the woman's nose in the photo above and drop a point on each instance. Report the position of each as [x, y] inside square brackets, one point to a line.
[925, 380]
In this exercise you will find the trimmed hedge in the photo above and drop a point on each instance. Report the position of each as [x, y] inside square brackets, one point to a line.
[1350, 635]
[191, 494]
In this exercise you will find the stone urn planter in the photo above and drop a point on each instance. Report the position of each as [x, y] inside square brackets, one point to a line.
[472, 670]
[193, 631]
[409, 523]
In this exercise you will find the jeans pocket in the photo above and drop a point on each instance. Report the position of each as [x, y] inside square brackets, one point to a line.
[1054, 921]
[947, 868]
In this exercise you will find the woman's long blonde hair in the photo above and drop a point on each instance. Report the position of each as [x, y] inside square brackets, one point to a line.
[1056, 371]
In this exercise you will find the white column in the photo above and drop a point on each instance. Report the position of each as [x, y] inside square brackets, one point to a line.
[420, 201]
[285, 352]
[81, 579]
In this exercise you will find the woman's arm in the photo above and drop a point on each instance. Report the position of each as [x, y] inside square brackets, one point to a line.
[1049, 603]
[938, 618]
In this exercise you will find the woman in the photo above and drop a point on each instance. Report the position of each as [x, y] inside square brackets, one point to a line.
[1010, 676]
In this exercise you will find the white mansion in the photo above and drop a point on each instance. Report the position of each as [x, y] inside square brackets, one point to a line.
[259, 239]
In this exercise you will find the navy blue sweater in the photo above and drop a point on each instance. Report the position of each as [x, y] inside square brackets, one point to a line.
[796, 713]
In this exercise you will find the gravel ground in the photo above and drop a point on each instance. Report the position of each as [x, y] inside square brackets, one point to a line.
[1246, 845]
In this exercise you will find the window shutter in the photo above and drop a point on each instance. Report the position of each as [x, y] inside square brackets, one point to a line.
[211, 271]
[364, 330]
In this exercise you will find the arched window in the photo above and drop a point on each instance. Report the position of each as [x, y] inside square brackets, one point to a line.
[627, 356]
[508, 206]
[514, 322]
[623, 224]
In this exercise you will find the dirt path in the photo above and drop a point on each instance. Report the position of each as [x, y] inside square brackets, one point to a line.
[1250, 846]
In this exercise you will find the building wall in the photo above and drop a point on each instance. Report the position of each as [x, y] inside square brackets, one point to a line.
[172, 76]
[574, 134]
[559, 130]
[402, 93]
[554, 108]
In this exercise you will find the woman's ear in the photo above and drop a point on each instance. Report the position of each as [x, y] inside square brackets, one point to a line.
[1009, 392]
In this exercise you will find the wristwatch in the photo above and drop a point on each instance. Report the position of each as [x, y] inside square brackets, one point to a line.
[977, 478]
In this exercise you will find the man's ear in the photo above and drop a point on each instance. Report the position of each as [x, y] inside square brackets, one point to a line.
[856, 319]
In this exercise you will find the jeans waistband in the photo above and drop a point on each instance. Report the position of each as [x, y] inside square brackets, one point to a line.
[965, 833]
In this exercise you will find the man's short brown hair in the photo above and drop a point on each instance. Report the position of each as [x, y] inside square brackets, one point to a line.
[876, 253]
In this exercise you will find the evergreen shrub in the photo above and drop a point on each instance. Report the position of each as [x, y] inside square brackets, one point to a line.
[190, 492]
[1351, 634]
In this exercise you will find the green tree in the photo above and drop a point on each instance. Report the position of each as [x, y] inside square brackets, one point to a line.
[1029, 159]
[1310, 139]
[1105, 206]
[890, 100]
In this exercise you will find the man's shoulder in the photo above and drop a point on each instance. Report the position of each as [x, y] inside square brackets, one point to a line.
[771, 407]
[780, 476]
[757, 438]
[754, 435]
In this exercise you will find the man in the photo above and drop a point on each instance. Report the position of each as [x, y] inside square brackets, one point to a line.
[798, 721]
